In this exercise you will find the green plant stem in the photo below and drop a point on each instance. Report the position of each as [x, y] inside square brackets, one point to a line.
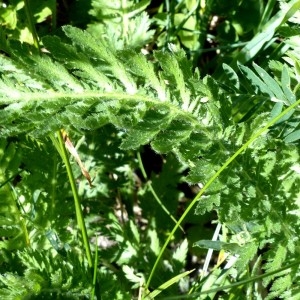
[153, 191]
[10, 178]
[95, 270]
[19, 214]
[125, 21]
[31, 26]
[54, 15]
[79, 215]
[235, 284]
[212, 179]
[190, 13]
[53, 186]
[168, 24]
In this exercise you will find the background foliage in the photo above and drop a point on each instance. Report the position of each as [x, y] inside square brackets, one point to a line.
[183, 110]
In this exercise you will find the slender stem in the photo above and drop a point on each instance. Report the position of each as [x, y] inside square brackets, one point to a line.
[95, 270]
[31, 26]
[235, 284]
[125, 21]
[79, 215]
[153, 191]
[10, 178]
[60, 146]
[212, 179]
[187, 16]
[54, 15]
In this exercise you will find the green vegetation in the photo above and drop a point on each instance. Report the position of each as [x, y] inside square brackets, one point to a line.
[149, 150]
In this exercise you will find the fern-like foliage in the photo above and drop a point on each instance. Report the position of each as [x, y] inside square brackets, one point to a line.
[43, 191]
[122, 24]
[12, 226]
[263, 210]
[94, 85]
[47, 274]
[82, 84]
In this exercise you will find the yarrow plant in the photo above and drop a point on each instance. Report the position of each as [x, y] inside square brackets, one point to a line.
[83, 214]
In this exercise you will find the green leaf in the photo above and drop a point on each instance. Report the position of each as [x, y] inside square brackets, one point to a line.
[12, 227]
[292, 137]
[267, 32]
[168, 284]
[231, 76]
[180, 253]
[256, 82]
[208, 244]
[270, 83]
[123, 24]
[154, 241]
[132, 277]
